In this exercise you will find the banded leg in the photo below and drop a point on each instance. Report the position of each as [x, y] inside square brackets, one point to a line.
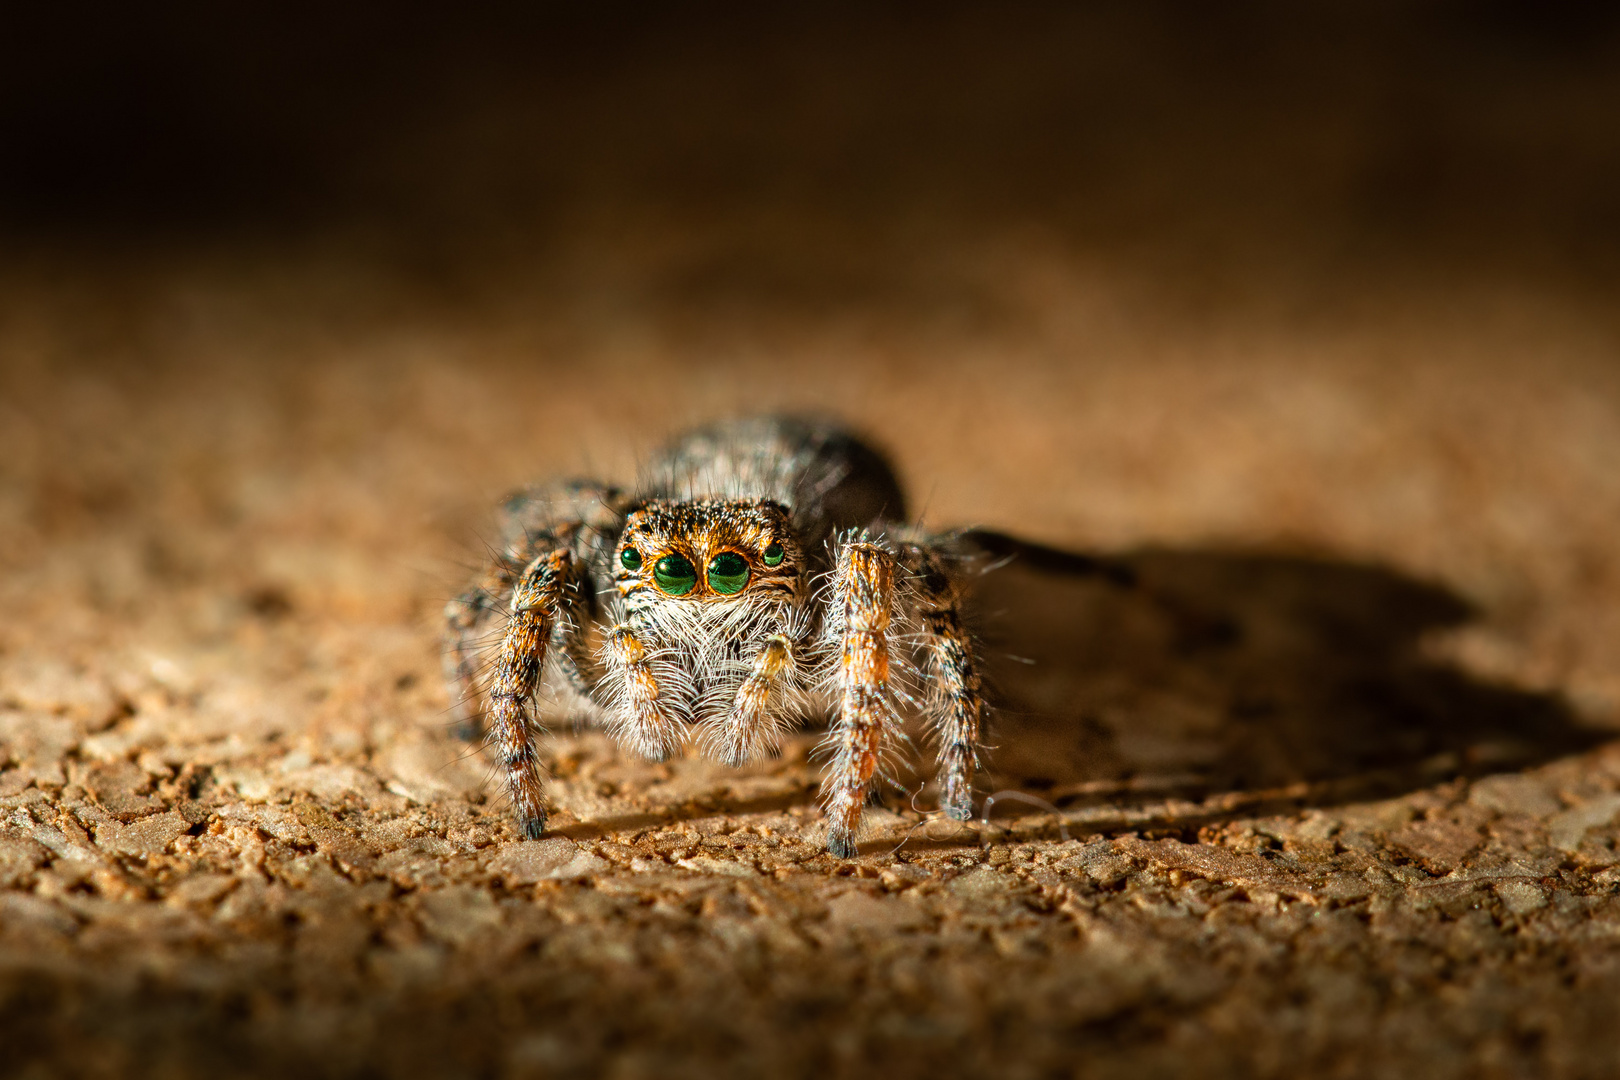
[749, 729]
[514, 678]
[467, 621]
[955, 704]
[578, 515]
[640, 717]
[865, 587]
[571, 633]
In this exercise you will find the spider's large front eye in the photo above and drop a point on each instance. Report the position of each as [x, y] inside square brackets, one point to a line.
[773, 555]
[675, 574]
[630, 559]
[728, 573]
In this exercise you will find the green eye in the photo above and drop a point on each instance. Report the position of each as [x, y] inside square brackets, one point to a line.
[728, 573]
[675, 575]
[773, 555]
[630, 559]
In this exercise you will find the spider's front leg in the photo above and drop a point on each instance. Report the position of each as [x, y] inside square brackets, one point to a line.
[537, 597]
[864, 590]
[639, 717]
[751, 729]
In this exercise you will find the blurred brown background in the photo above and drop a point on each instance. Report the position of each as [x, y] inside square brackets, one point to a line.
[1479, 131]
[1305, 317]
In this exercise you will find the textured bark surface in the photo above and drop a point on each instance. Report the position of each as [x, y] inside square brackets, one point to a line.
[1328, 784]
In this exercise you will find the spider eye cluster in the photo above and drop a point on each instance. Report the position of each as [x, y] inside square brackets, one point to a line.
[728, 573]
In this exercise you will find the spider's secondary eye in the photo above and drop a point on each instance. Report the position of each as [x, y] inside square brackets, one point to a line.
[630, 559]
[773, 555]
[675, 574]
[728, 573]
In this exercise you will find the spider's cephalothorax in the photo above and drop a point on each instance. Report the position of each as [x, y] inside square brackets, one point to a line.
[761, 574]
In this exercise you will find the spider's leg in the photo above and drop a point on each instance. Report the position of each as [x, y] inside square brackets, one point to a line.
[514, 677]
[750, 729]
[640, 717]
[467, 622]
[580, 515]
[864, 600]
[571, 633]
[954, 704]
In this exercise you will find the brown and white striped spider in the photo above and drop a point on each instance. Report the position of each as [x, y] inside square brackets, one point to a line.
[762, 574]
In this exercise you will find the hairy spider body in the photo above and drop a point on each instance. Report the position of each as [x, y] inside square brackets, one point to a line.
[761, 574]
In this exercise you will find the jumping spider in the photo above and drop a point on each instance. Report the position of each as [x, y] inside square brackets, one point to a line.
[762, 573]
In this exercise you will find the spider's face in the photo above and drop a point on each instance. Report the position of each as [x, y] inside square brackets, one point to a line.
[711, 551]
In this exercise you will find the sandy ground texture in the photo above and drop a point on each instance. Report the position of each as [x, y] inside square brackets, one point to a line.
[1310, 337]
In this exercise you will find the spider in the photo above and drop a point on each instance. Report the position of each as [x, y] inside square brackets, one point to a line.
[761, 574]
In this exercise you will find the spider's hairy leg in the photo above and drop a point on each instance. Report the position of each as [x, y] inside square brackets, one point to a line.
[955, 704]
[514, 677]
[467, 622]
[570, 633]
[579, 515]
[750, 729]
[641, 718]
[865, 586]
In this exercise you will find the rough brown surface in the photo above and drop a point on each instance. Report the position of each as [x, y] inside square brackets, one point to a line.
[1333, 788]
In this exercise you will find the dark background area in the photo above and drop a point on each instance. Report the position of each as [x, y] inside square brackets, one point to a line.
[1478, 135]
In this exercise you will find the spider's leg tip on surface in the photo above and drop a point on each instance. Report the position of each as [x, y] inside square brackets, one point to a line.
[532, 826]
[841, 845]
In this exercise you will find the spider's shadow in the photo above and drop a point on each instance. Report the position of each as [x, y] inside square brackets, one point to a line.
[1194, 672]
